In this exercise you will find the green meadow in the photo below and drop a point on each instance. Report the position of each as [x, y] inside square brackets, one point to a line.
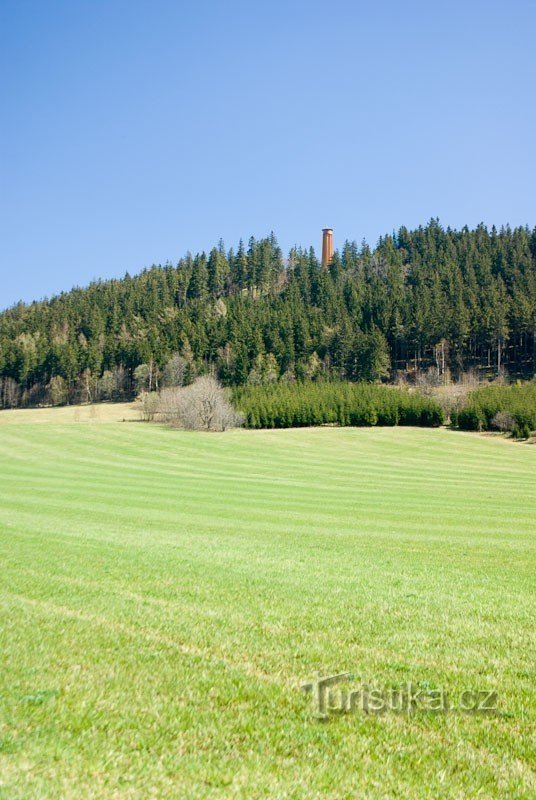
[164, 594]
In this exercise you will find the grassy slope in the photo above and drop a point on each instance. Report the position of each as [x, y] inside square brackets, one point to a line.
[164, 593]
[98, 412]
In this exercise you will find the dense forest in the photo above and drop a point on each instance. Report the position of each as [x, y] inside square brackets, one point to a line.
[431, 299]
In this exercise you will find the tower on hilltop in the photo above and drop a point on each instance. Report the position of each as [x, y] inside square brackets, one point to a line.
[327, 246]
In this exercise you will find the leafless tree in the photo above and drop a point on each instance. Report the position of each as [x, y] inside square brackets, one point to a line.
[147, 405]
[503, 421]
[120, 381]
[34, 395]
[57, 391]
[9, 393]
[427, 381]
[86, 387]
[201, 406]
[106, 385]
[441, 353]
[452, 396]
[175, 371]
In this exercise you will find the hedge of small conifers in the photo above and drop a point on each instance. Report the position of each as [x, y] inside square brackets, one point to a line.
[294, 405]
[499, 407]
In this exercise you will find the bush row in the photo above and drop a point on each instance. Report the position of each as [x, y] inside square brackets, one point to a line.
[293, 405]
[488, 406]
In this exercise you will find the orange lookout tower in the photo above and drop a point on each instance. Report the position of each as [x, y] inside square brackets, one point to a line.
[327, 246]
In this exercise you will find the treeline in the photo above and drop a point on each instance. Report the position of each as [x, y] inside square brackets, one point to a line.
[294, 405]
[503, 408]
[427, 299]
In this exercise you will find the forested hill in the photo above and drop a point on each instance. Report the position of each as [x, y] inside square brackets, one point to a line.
[428, 298]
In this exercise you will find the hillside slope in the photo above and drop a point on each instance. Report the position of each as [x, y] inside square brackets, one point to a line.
[429, 297]
[183, 586]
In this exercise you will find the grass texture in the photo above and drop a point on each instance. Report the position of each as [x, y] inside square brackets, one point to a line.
[165, 593]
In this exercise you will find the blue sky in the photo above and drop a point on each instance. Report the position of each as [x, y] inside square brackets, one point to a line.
[135, 130]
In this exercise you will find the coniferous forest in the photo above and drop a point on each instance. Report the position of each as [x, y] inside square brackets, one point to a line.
[428, 299]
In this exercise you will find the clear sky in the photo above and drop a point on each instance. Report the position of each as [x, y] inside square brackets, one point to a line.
[135, 130]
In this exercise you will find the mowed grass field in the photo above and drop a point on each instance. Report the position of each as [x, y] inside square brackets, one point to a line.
[164, 594]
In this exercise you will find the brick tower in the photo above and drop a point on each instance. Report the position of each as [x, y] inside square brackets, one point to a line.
[327, 246]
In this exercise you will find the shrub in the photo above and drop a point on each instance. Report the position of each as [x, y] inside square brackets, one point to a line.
[471, 419]
[431, 416]
[521, 432]
[284, 405]
[500, 407]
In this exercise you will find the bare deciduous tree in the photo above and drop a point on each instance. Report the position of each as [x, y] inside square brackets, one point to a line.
[10, 393]
[427, 381]
[201, 406]
[106, 385]
[452, 396]
[86, 387]
[147, 404]
[175, 371]
[58, 391]
[503, 421]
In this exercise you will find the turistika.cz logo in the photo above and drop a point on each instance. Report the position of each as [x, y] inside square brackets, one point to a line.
[352, 696]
